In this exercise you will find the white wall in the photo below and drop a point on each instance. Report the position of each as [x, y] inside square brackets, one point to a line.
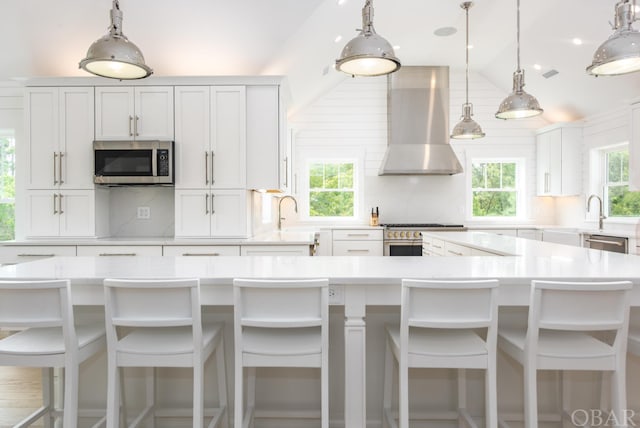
[353, 115]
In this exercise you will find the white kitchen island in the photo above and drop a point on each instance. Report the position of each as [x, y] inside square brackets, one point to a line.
[360, 286]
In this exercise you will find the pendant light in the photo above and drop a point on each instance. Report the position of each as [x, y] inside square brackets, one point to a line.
[519, 104]
[620, 53]
[467, 128]
[113, 55]
[368, 54]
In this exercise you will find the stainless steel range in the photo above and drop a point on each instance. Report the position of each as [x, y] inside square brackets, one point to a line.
[405, 239]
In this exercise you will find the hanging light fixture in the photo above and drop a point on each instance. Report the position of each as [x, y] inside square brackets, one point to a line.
[467, 128]
[519, 104]
[113, 55]
[368, 54]
[620, 53]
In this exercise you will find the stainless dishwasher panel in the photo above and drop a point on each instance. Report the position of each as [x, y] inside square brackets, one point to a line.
[617, 244]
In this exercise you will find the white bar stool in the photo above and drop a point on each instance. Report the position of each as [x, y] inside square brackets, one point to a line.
[158, 323]
[280, 323]
[438, 330]
[561, 315]
[50, 340]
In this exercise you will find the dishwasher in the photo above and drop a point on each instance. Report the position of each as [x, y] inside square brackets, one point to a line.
[617, 244]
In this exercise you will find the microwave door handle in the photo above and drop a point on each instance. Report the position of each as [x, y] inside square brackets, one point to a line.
[154, 162]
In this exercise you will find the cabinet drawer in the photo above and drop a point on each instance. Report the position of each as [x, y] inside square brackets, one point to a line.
[275, 250]
[25, 253]
[119, 250]
[476, 252]
[456, 250]
[357, 235]
[437, 247]
[357, 248]
[201, 250]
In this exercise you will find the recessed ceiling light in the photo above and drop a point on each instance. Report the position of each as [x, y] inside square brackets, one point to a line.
[396, 47]
[337, 39]
[341, 2]
[537, 67]
[445, 31]
[576, 41]
[469, 46]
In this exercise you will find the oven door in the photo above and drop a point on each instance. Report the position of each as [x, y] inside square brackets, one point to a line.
[403, 248]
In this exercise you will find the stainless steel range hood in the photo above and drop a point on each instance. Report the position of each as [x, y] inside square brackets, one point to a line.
[418, 123]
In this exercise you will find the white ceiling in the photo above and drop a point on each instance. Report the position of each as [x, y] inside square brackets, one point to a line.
[296, 38]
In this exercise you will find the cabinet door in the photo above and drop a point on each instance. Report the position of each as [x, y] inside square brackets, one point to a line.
[77, 213]
[542, 165]
[634, 149]
[264, 161]
[275, 250]
[228, 136]
[201, 250]
[119, 250]
[76, 107]
[571, 161]
[153, 118]
[114, 113]
[10, 254]
[42, 137]
[192, 149]
[357, 248]
[43, 217]
[193, 213]
[229, 214]
[554, 141]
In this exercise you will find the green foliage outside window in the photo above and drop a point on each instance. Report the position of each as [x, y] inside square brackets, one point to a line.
[331, 192]
[494, 189]
[7, 188]
[620, 201]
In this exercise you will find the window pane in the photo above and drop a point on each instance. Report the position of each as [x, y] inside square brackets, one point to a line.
[346, 176]
[316, 175]
[331, 175]
[622, 202]
[508, 175]
[7, 188]
[331, 204]
[625, 165]
[494, 204]
[613, 165]
[493, 176]
[477, 175]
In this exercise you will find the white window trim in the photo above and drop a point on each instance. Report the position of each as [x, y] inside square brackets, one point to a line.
[602, 180]
[521, 197]
[331, 153]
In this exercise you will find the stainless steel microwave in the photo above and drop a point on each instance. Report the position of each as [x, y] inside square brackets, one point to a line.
[133, 162]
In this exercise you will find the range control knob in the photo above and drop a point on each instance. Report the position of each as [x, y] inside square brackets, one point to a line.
[396, 234]
[402, 234]
[389, 234]
[416, 234]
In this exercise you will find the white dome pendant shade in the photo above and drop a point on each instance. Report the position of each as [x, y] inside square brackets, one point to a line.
[519, 104]
[113, 55]
[620, 53]
[368, 54]
[467, 128]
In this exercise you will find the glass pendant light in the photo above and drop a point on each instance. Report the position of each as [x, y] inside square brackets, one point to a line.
[467, 128]
[113, 55]
[368, 54]
[620, 53]
[519, 104]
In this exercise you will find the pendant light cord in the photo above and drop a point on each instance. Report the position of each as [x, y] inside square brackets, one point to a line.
[518, 34]
[467, 55]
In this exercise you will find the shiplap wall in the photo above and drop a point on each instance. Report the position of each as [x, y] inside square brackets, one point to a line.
[354, 115]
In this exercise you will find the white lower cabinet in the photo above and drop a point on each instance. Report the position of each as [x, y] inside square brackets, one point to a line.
[357, 242]
[437, 247]
[69, 213]
[275, 250]
[119, 250]
[476, 252]
[26, 253]
[530, 234]
[211, 213]
[201, 250]
[452, 249]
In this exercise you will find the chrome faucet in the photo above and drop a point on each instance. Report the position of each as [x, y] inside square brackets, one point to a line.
[280, 218]
[601, 215]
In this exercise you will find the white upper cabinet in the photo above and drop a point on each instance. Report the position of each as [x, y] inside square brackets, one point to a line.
[134, 113]
[60, 136]
[559, 161]
[210, 140]
[634, 148]
[267, 161]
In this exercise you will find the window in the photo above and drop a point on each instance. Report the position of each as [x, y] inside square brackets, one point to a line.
[495, 188]
[619, 201]
[331, 187]
[7, 187]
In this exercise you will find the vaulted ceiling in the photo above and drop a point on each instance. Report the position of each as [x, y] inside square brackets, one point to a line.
[296, 38]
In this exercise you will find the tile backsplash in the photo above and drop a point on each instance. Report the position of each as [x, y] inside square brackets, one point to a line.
[123, 211]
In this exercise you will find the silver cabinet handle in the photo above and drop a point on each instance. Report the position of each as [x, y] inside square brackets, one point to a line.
[358, 234]
[213, 180]
[357, 251]
[60, 180]
[437, 246]
[135, 126]
[206, 168]
[213, 207]
[602, 241]
[60, 203]
[131, 126]
[116, 254]
[55, 176]
[36, 255]
[455, 253]
[206, 203]
[55, 207]
[286, 172]
[547, 186]
[201, 254]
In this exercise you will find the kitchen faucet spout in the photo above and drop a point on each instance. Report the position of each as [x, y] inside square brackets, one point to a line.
[295, 207]
[601, 215]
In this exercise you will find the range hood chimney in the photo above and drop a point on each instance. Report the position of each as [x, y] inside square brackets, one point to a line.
[418, 123]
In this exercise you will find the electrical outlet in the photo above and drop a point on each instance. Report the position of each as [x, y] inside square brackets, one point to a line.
[144, 213]
[336, 295]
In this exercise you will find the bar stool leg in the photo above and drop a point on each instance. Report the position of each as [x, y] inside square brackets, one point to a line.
[530, 397]
[618, 395]
[491, 394]
[114, 380]
[70, 405]
[238, 414]
[251, 394]
[324, 384]
[198, 393]
[403, 384]
[388, 384]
